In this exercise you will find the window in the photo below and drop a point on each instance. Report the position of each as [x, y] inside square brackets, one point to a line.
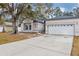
[25, 27]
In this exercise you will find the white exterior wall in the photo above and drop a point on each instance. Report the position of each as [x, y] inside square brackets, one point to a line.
[21, 29]
[35, 27]
[38, 27]
[1, 28]
[77, 30]
[65, 21]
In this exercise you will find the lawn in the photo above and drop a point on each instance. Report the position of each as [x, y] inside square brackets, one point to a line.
[75, 49]
[8, 37]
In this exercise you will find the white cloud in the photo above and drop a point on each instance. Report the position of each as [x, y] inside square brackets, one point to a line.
[74, 7]
[62, 9]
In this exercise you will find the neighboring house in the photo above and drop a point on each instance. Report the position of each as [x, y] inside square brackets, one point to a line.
[32, 26]
[66, 25]
[1, 28]
[7, 27]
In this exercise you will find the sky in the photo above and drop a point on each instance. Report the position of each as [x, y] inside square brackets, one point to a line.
[66, 6]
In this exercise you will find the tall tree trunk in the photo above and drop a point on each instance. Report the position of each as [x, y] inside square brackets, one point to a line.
[15, 30]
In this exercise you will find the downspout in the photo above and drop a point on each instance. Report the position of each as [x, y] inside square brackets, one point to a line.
[44, 26]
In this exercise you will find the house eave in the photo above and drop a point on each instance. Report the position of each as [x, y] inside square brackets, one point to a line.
[63, 17]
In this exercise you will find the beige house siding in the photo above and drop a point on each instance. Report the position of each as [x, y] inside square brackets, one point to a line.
[65, 21]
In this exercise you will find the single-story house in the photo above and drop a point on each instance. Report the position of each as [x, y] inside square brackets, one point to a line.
[31, 26]
[66, 25]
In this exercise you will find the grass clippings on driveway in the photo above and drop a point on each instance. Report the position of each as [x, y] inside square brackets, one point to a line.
[8, 37]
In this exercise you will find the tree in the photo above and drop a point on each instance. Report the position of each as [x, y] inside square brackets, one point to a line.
[1, 20]
[25, 10]
[76, 11]
[67, 13]
[2, 12]
[27, 13]
[57, 11]
[18, 9]
[15, 10]
[43, 10]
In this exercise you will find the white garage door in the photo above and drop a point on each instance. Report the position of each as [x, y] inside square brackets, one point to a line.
[60, 29]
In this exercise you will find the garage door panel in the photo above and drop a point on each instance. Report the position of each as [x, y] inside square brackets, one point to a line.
[65, 29]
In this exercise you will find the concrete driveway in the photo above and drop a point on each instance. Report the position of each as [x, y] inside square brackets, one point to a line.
[46, 45]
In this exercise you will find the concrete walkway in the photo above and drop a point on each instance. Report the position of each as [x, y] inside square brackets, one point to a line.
[46, 45]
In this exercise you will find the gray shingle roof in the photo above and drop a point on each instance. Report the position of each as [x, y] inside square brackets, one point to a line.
[63, 17]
